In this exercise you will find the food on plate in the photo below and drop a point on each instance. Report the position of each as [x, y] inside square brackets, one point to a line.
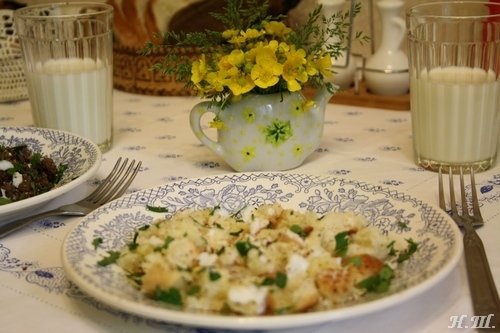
[264, 260]
[24, 174]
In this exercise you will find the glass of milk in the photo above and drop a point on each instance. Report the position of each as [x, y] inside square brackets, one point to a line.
[454, 59]
[68, 56]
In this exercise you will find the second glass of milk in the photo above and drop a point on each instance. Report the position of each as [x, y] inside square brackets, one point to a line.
[454, 58]
[67, 51]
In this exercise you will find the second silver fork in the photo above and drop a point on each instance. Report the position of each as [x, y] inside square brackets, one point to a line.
[485, 300]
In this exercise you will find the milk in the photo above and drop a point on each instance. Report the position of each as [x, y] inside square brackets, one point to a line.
[455, 115]
[73, 95]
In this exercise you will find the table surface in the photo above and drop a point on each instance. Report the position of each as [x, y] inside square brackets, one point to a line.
[365, 144]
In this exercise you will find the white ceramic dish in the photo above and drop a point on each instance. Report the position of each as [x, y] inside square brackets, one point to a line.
[439, 238]
[82, 156]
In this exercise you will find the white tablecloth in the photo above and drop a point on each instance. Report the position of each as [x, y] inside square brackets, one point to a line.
[370, 145]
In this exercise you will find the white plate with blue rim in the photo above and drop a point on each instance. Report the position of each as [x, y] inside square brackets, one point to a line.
[82, 157]
[398, 215]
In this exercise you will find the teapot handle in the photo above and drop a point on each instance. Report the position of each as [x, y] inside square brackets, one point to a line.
[195, 121]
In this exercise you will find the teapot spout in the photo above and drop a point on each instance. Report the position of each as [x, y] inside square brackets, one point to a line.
[322, 97]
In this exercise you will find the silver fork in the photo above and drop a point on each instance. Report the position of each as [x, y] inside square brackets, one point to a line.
[112, 187]
[485, 300]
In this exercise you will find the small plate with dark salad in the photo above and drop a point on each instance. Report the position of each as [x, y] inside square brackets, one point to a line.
[38, 165]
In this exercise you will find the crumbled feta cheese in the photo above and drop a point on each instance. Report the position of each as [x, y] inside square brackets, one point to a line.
[296, 265]
[258, 224]
[17, 179]
[5, 165]
[248, 294]
[207, 259]
[156, 241]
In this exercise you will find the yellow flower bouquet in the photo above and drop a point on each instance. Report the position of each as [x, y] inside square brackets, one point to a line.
[255, 53]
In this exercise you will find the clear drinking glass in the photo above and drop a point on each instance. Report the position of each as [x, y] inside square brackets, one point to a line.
[68, 56]
[454, 59]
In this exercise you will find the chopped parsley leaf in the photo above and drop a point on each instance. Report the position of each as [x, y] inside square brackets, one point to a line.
[412, 248]
[356, 261]
[172, 296]
[341, 243]
[243, 247]
[96, 242]
[111, 259]
[281, 280]
[378, 283]
[298, 230]
[213, 275]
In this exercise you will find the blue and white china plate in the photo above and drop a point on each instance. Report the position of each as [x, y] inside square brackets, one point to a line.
[82, 156]
[439, 239]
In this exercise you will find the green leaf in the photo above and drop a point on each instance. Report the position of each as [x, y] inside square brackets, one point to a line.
[412, 248]
[193, 290]
[213, 275]
[281, 280]
[4, 201]
[172, 296]
[244, 246]
[60, 172]
[378, 283]
[341, 243]
[356, 261]
[96, 242]
[236, 233]
[111, 259]
[298, 230]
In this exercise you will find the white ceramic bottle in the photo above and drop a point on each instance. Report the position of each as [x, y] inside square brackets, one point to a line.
[344, 67]
[386, 71]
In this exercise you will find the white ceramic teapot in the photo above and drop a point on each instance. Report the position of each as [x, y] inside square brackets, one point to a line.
[265, 132]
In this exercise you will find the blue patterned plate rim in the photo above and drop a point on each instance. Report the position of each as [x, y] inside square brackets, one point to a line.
[439, 251]
[82, 156]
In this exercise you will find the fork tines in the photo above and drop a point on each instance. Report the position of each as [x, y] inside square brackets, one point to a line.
[475, 218]
[116, 183]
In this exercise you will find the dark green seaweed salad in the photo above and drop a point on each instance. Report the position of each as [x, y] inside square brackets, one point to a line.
[24, 174]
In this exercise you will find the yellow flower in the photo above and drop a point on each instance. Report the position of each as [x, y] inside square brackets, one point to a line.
[253, 33]
[198, 70]
[216, 80]
[266, 70]
[236, 58]
[325, 66]
[294, 70]
[217, 124]
[307, 105]
[238, 40]
[240, 83]
[311, 66]
[230, 33]
[276, 28]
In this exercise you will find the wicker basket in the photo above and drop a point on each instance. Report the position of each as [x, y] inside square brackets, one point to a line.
[12, 80]
[131, 73]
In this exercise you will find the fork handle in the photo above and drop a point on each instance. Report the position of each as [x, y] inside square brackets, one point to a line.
[18, 224]
[484, 294]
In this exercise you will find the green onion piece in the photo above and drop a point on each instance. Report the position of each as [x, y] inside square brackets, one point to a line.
[157, 209]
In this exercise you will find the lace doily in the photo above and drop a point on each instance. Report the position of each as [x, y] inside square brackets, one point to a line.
[12, 79]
